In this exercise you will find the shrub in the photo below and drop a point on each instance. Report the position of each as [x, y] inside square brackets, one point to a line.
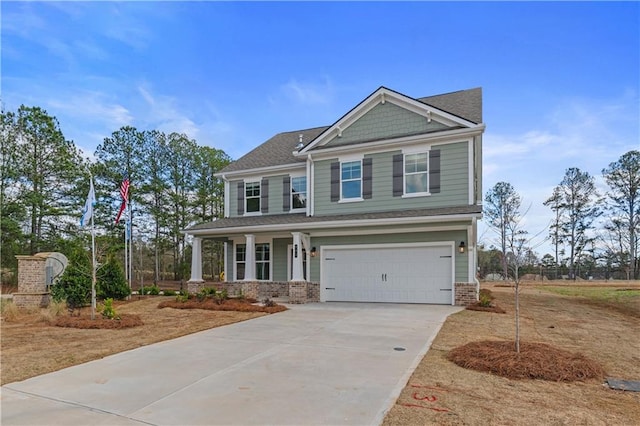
[169, 293]
[108, 311]
[152, 290]
[73, 287]
[485, 298]
[268, 303]
[111, 282]
[182, 297]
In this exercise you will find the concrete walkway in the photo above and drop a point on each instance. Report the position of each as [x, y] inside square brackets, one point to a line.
[322, 363]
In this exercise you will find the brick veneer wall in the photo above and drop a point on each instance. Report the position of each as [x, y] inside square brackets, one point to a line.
[466, 294]
[32, 287]
[296, 291]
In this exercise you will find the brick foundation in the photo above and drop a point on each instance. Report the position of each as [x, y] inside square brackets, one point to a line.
[295, 291]
[466, 294]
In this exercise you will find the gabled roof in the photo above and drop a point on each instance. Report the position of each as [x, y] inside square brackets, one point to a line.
[275, 152]
[466, 104]
[279, 150]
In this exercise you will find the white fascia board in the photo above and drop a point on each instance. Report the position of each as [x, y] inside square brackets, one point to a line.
[449, 136]
[263, 171]
[383, 95]
[335, 224]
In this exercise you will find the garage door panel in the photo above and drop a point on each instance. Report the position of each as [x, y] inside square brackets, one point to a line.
[400, 274]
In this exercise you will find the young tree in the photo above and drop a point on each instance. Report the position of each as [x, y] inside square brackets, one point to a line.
[501, 210]
[623, 179]
[578, 207]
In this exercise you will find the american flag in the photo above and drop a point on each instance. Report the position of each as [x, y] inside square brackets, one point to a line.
[124, 193]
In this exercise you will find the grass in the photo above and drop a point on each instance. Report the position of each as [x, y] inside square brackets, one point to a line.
[607, 294]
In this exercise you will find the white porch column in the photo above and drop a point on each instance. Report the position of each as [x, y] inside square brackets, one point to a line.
[297, 273]
[250, 258]
[196, 261]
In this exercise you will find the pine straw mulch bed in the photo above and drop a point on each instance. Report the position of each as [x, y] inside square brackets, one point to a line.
[535, 361]
[491, 308]
[100, 322]
[238, 305]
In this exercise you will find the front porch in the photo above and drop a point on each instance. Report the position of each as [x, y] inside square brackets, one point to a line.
[292, 291]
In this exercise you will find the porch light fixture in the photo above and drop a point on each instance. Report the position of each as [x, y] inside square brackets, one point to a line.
[461, 247]
[313, 252]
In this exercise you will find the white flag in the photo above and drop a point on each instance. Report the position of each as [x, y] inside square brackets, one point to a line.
[87, 210]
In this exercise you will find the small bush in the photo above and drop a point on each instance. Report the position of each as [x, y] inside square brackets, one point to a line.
[111, 282]
[268, 303]
[169, 293]
[182, 297]
[152, 290]
[108, 311]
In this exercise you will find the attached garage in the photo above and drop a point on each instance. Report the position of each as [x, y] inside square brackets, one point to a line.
[396, 273]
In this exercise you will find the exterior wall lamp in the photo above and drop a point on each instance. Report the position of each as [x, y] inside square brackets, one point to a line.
[461, 247]
[313, 252]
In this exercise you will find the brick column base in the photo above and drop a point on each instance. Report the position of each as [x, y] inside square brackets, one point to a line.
[466, 294]
[194, 287]
[297, 292]
[31, 300]
[250, 289]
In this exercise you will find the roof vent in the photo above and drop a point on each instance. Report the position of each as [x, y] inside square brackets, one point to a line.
[300, 143]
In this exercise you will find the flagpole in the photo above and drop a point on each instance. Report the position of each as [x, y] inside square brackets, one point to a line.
[130, 244]
[93, 263]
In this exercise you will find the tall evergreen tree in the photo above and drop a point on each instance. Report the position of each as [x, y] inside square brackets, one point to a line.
[579, 206]
[623, 206]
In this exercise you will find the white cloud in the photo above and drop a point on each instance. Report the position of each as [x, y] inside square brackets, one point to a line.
[308, 93]
[166, 115]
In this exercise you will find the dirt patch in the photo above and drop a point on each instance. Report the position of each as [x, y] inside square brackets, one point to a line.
[491, 308]
[443, 393]
[99, 322]
[238, 305]
[30, 346]
[534, 361]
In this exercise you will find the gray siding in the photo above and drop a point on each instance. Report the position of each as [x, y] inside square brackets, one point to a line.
[461, 260]
[385, 121]
[279, 258]
[275, 196]
[454, 182]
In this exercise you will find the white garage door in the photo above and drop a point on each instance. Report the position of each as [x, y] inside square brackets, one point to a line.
[399, 274]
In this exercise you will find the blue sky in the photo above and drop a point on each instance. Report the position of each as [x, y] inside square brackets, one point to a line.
[561, 81]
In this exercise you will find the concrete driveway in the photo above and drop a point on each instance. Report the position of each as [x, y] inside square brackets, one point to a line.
[322, 363]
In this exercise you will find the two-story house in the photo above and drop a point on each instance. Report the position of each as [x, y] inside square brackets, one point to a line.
[380, 206]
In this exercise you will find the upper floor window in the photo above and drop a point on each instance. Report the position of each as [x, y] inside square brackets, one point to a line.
[252, 197]
[351, 179]
[416, 173]
[299, 192]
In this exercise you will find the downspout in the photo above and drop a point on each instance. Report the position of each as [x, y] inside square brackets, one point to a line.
[474, 227]
[310, 181]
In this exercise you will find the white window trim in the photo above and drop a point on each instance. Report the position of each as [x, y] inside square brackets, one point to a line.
[302, 209]
[246, 199]
[235, 260]
[353, 199]
[259, 240]
[269, 243]
[405, 194]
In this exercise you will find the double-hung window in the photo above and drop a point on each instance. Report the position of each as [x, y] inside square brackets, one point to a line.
[351, 180]
[241, 257]
[263, 261]
[416, 173]
[298, 192]
[252, 197]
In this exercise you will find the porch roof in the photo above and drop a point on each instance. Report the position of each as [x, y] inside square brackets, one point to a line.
[301, 221]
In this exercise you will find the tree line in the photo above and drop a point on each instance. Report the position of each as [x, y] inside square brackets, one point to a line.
[591, 233]
[44, 182]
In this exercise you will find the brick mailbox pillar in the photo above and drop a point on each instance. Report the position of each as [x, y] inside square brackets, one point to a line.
[32, 285]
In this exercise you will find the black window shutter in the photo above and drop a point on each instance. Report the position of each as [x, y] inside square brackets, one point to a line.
[240, 198]
[264, 195]
[434, 171]
[286, 193]
[398, 175]
[335, 181]
[367, 178]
